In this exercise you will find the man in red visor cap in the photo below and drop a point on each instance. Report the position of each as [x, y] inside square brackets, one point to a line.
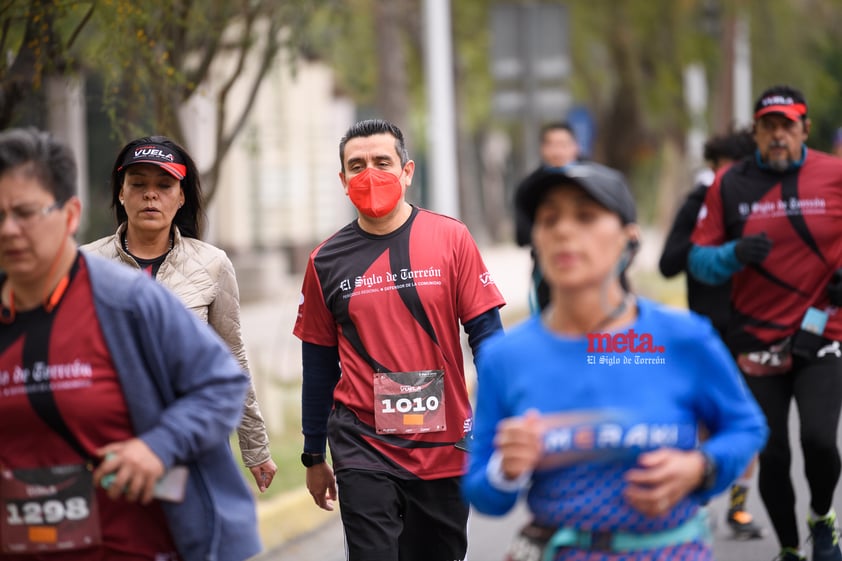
[770, 223]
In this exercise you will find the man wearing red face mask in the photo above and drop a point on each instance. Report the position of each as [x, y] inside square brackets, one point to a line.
[381, 303]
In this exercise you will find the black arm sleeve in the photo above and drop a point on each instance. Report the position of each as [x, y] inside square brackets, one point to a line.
[321, 373]
[677, 247]
[481, 327]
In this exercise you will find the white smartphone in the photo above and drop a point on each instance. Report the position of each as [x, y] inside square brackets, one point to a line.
[172, 485]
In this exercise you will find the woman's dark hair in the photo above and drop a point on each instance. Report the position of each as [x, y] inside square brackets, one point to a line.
[42, 156]
[190, 217]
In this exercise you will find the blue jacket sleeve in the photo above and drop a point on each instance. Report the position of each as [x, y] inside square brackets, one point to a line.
[713, 264]
[481, 327]
[490, 409]
[727, 409]
[200, 383]
[184, 392]
[321, 374]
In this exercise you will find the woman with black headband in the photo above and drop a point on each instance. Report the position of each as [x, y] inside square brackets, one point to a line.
[592, 408]
[157, 201]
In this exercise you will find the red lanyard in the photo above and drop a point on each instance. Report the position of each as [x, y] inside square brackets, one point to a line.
[50, 302]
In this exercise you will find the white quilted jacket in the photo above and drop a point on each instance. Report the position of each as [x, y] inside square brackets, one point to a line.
[202, 276]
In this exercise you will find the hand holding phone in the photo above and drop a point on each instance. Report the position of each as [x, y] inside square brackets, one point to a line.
[170, 487]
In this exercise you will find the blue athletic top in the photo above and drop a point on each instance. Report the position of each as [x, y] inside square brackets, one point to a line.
[604, 399]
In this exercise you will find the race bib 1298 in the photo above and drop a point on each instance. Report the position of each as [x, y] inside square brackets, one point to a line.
[48, 509]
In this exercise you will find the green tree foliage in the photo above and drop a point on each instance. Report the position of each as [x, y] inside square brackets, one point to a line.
[628, 57]
[151, 56]
[38, 38]
[798, 43]
[343, 35]
[346, 36]
[166, 50]
[628, 60]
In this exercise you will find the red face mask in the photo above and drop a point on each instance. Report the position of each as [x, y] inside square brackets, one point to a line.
[375, 192]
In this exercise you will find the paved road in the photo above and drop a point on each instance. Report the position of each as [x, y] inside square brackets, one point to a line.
[488, 537]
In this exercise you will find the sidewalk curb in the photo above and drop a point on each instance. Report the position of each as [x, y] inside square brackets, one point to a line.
[287, 516]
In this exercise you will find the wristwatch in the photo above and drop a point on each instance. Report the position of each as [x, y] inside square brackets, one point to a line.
[709, 474]
[310, 459]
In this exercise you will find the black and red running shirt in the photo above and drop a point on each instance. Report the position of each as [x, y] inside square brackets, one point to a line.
[801, 212]
[394, 303]
[73, 363]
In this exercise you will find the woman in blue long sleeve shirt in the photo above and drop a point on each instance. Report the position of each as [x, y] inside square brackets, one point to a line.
[592, 408]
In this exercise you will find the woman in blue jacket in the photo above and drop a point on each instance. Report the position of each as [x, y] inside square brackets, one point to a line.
[592, 408]
[109, 388]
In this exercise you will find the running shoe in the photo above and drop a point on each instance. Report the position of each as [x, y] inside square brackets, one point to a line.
[739, 519]
[742, 524]
[789, 554]
[824, 534]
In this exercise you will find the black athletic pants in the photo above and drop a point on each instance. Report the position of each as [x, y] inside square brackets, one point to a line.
[391, 519]
[816, 387]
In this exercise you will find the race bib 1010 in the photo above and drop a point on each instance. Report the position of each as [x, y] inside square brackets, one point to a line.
[409, 402]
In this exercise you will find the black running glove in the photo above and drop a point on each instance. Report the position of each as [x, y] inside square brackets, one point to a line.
[751, 250]
[834, 288]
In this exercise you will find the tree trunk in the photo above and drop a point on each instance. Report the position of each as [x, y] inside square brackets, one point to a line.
[673, 181]
[66, 119]
[392, 81]
[621, 128]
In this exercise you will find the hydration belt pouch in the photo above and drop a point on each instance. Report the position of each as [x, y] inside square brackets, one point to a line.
[808, 339]
[530, 543]
[776, 359]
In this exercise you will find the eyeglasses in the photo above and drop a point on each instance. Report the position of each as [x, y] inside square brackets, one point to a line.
[26, 216]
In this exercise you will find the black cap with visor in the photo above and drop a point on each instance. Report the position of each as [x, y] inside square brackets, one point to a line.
[605, 185]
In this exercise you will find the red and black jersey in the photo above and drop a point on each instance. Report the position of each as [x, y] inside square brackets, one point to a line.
[61, 356]
[801, 212]
[394, 303]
